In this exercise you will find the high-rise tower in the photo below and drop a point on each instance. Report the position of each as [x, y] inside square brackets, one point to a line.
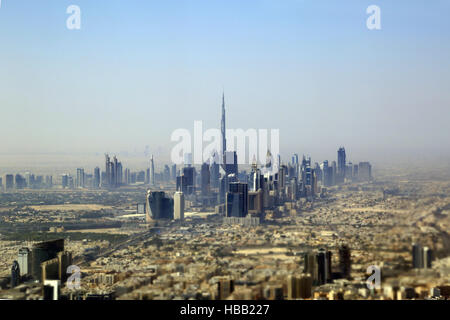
[223, 129]
[152, 172]
[341, 164]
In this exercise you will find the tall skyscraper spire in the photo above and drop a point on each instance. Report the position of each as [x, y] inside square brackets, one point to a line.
[152, 172]
[223, 128]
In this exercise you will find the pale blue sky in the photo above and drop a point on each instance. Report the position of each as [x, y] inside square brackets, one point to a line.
[137, 70]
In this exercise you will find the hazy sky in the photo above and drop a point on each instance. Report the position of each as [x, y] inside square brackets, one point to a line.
[138, 70]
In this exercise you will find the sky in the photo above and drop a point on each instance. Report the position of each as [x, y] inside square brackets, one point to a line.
[138, 70]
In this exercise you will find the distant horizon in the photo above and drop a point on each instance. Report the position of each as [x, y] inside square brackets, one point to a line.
[69, 162]
[134, 73]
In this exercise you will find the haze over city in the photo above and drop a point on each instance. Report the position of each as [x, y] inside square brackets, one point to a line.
[134, 73]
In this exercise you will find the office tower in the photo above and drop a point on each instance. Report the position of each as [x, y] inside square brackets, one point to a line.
[107, 171]
[24, 260]
[214, 171]
[119, 174]
[278, 161]
[307, 179]
[181, 184]
[158, 206]
[15, 274]
[174, 173]
[345, 261]
[205, 179]
[127, 177]
[64, 261]
[97, 177]
[334, 173]
[294, 189]
[323, 266]
[318, 172]
[427, 256]
[417, 260]
[364, 171]
[422, 257]
[152, 171]
[42, 252]
[70, 182]
[329, 273]
[178, 199]
[310, 267]
[49, 181]
[223, 188]
[224, 286]
[327, 174]
[65, 181]
[166, 175]
[9, 181]
[114, 164]
[20, 182]
[299, 287]
[255, 177]
[355, 172]
[282, 178]
[147, 176]
[231, 164]
[295, 163]
[341, 164]
[237, 200]
[223, 146]
[80, 178]
[255, 202]
[189, 174]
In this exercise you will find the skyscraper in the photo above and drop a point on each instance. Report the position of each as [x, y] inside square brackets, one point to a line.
[107, 171]
[189, 174]
[345, 261]
[417, 260]
[24, 259]
[96, 177]
[237, 200]
[324, 266]
[178, 199]
[310, 267]
[223, 131]
[231, 164]
[422, 257]
[9, 181]
[341, 164]
[173, 174]
[152, 172]
[15, 274]
[214, 171]
[80, 178]
[158, 206]
[205, 179]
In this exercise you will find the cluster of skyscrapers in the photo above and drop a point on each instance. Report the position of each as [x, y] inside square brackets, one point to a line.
[46, 261]
[237, 195]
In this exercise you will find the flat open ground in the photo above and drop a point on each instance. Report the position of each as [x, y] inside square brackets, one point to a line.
[68, 207]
